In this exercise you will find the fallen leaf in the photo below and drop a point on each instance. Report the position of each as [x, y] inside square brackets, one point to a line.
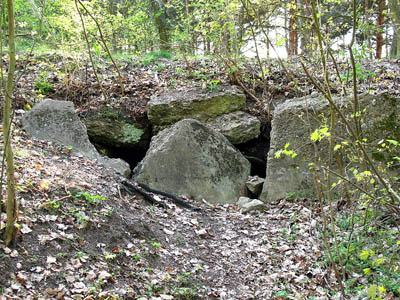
[169, 232]
[44, 186]
[51, 259]
[283, 248]
[104, 275]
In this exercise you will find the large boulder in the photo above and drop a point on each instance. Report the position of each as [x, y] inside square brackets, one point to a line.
[56, 121]
[200, 104]
[295, 119]
[238, 127]
[193, 160]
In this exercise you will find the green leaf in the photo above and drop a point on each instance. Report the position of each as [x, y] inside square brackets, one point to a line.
[364, 255]
[372, 291]
[315, 135]
[396, 143]
[381, 290]
[367, 271]
[337, 147]
[378, 262]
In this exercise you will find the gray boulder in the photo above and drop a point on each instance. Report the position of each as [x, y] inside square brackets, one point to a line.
[56, 121]
[247, 204]
[118, 165]
[193, 160]
[289, 125]
[239, 127]
[172, 106]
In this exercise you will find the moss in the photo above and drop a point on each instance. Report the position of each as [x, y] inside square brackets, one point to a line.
[131, 134]
[390, 125]
[114, 133]
[202, 109]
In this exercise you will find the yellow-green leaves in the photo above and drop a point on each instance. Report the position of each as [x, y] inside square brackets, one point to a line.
[367, 271]
[366, 253]
[378, 262]
[285, 151]
[375, 292]
[320, 133]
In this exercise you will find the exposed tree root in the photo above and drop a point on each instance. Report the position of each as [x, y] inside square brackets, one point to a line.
[139, 188]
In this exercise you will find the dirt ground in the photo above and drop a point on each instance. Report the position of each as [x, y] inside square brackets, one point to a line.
[81, 236]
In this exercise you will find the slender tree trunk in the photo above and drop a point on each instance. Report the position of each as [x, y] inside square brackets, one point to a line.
[286, 26]
[292, 33]
[307, 32]
[189, 46]
[111, 11]
[12, 207]
[161, 21]
[395, 16]
[379, 34]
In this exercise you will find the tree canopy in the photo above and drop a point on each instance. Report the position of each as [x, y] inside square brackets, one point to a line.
[207, 27]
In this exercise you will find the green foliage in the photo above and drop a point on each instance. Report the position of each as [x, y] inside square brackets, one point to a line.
[44, 88]
[285, 151]
[54, 205]
[372, 252]
[156, 245]
[213, 85]
[283, 294]
[91, 199]
[155, 56]
[320, 133]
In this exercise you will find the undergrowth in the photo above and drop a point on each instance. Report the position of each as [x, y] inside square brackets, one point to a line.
[369, 251]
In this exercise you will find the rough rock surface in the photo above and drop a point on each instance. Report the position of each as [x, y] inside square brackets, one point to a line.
[116, 133]
[255, 184]
[56, 121]
[292, 175]
[200, 104]
[248, 204]
[191, 159]
[238, 127]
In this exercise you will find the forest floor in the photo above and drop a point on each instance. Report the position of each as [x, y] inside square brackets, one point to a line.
[83, 237]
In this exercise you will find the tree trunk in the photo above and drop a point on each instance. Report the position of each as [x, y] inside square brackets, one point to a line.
[306, 30]
[292, 33]
[379, 34]
[395, 16]
[12, 207]
[161, 21]
[286, 31]
[111, 11]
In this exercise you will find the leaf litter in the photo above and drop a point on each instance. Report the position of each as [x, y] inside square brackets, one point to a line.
[73, 244]
[69, 247]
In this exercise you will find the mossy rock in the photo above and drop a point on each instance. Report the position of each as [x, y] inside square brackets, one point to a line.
[296, 118]
[200, 104]
[116, 133]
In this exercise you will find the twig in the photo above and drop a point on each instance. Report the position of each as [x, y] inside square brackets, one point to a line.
[89, 51]
[105, 46]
